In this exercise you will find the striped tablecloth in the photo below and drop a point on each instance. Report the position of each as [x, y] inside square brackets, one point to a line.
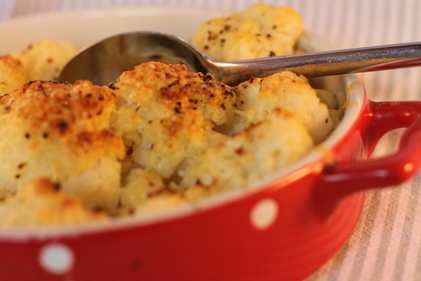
[386, 244]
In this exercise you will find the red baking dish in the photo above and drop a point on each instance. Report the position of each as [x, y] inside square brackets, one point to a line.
[282, 228]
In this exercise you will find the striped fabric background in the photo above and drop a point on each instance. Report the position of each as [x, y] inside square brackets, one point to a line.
[386, 245]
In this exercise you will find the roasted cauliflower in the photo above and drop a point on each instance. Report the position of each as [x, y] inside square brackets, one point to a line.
[145, 191]
[12, 74]
[45, 59]
[166, 113]
[41, 202]
[62, 132]
[258, 97]
[161, 135]
[260, 31]
[261, 149]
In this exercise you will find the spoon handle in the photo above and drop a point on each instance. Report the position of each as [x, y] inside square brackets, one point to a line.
[325, 63]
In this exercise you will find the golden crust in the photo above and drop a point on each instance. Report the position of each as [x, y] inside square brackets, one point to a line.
[12, 74]
[62, 132]
[171, 111]
[260, 31]
[41, 202]
[258, 97]
[43, 60]
[145, 191]
[259, 150]
[77, 115]
[174, 89]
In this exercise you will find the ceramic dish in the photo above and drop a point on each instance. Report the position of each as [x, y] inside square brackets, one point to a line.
[283, 228]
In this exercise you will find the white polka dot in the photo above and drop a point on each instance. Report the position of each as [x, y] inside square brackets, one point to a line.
[264, 213]
[56, 258]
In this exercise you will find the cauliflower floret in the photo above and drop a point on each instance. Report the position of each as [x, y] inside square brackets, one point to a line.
[40, 202]
[62, 132]
[258, 97]
[261, 149]
[166, 113]
[140, 184]
[146, 191]
[45, 59]
[169, 89]
[12, 74]
[260, 31]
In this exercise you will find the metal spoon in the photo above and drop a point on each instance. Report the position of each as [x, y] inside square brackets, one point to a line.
[104, 61]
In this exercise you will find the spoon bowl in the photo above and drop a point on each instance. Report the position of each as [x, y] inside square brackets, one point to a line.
[105, 60]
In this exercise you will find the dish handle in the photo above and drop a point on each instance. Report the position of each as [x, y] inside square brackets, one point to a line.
[342, 179]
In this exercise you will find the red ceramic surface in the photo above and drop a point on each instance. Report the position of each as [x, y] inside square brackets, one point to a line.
[282, 229]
